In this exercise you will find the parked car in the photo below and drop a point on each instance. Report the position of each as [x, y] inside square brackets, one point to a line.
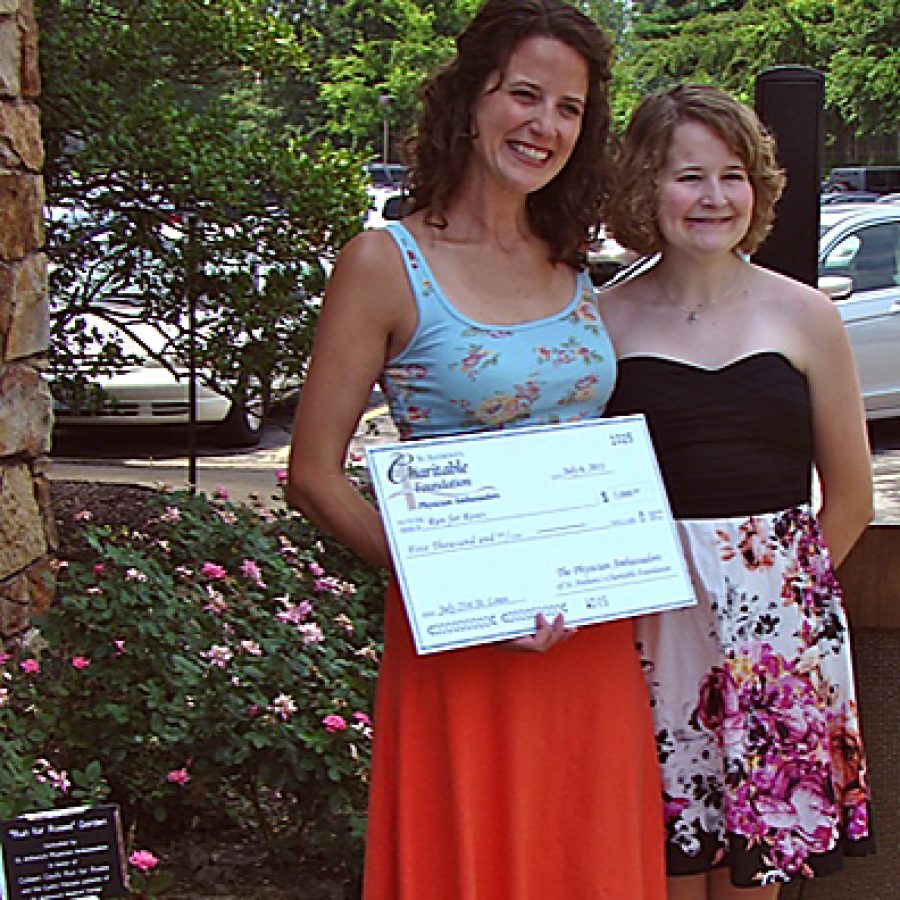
[121, 365]
[147, 385]
[385, 205]
[859, 266]
[849, 197]
[876, 179]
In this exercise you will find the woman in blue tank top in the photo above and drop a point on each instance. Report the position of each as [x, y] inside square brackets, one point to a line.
[522, 771]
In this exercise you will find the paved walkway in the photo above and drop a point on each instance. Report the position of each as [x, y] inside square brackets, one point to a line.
[254, 472]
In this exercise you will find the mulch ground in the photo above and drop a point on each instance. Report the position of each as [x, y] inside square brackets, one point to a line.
[118, 505]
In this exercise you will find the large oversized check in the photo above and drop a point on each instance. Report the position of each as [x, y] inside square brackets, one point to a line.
[488, 530]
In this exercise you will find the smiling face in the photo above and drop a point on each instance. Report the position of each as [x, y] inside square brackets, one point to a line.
[705, 195]
[528, 118]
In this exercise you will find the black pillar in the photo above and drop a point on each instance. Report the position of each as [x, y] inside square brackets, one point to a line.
[789, 103]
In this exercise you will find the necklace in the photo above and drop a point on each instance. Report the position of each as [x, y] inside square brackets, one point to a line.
[693, 312]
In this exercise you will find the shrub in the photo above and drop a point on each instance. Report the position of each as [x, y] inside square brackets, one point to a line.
[220, 664]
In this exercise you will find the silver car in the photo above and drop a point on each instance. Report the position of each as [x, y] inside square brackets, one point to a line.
[859, 267]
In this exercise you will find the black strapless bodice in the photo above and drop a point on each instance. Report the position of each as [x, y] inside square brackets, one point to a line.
[731, 441]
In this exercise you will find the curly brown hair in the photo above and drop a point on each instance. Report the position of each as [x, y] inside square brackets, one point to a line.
[632, 212]
[564, 211]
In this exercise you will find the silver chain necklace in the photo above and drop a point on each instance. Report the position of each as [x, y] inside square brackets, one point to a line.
[693, 312]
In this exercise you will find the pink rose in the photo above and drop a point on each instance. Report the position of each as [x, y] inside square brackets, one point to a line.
[251, 570]
[30, 666]
[794, 795]
[334, 723]
[143, 860]
[213, 570]
[178, 776]
[80, 662]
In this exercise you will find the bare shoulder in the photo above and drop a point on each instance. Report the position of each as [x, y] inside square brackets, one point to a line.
[623, 301]
[801, 319]
[369, 276]
[796, 303]
[372, 254]
[625, 294]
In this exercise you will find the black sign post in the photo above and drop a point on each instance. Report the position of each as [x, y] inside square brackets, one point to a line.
[789, 103]
[190, 290]
[63, 854]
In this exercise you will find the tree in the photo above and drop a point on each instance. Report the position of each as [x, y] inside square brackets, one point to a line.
[359, 52]
[864, 87]
[164, 155]
[728, 43]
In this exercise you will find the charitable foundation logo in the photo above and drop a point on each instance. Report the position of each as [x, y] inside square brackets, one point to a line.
[435, 482]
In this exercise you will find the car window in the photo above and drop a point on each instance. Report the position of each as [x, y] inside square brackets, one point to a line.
[393, 208]
[841, 256]
[869, 256]
[390, 175]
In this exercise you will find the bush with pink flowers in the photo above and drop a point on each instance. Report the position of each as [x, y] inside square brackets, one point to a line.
[220, 666]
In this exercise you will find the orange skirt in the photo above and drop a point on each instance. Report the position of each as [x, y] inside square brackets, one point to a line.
[500, 775]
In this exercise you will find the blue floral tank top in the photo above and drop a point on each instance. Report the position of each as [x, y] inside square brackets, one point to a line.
[457, 375]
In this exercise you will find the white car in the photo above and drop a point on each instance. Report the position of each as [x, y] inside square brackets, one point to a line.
[859, 267]
[147, 391]
[385, 205]
[151, 385]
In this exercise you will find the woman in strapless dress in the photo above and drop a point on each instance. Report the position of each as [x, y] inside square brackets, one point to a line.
[748, 384]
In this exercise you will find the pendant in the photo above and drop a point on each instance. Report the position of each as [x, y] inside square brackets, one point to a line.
[692, 316]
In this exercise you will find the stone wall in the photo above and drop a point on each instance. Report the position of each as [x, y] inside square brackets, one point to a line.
[26, 524]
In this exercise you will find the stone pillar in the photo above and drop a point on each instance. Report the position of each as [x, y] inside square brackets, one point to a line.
[27, 536]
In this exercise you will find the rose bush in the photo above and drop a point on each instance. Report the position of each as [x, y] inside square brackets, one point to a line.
[219, 664]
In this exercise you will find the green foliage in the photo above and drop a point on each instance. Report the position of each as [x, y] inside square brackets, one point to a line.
[360, 52]
[250, 118]
[217, 669]
[730, 43]
[156, 115]
[865, 65]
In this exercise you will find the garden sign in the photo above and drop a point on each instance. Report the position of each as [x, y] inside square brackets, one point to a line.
[63, 854]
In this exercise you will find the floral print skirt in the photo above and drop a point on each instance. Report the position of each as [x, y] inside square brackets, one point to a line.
[754, 705]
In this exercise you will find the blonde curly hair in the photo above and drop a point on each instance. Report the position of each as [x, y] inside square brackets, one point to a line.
[631, 214]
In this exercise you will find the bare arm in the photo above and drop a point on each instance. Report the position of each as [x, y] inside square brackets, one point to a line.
[367, 315]
[367, 299]
[840, 440]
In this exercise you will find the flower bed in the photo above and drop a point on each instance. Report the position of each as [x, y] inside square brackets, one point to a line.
[214, 664]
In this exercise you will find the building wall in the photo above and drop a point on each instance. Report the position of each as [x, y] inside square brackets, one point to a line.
[26, 524]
